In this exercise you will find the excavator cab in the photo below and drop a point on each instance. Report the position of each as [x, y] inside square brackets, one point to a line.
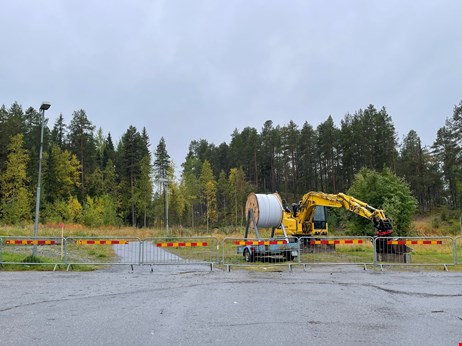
[320, 220]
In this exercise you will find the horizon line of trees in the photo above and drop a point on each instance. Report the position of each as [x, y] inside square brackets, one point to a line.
[89, 179]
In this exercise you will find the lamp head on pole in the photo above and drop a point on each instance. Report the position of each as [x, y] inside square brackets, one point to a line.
[45, 105]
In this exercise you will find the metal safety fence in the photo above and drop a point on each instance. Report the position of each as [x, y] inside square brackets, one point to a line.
[458, 250]
[305, 251]
[337, 250]
[242, 252]
[30, 250]
[102, 251]
[428, 251]
[180, 251]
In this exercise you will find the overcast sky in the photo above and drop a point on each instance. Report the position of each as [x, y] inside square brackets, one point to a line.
[190, 70]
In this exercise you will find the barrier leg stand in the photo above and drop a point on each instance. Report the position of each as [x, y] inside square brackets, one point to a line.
[228, 268]
[68, 266]
[152, 269]
[365, 266]
[446, 268]
[211, 266]
[54, 268]
[131, 268]
[290, 267]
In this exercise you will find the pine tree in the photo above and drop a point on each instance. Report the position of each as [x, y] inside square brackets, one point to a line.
[308, 173]
[131, 152]
[290, 136]
[191, 185]
[162, 163]
[82, 143]
[59, 133]
[11, 123]
[328, 155]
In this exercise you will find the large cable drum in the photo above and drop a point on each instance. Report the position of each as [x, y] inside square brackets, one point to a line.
[266, 209]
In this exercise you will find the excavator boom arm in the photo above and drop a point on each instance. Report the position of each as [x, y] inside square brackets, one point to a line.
[311, 200]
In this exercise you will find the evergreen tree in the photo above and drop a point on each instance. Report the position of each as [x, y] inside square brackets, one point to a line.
[238, 189]
[308, 174]
[267, 157]
[209, 190]
[131, 152]
[145, 188]
[163, 171]
[59, 133]
[162, 162]
[445, 151]
[222, 198]
[15, 205]
[290, 137]
[61, 174]
[414, 167]
[191, 185]
[82, 143]
[243, 151]
[11, 123]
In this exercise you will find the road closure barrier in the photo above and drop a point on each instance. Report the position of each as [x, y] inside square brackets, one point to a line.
[182, 244]
[180, 251]
[103, 250]
[304, 251]
[32, 250]
[337, 250]
[428, 251]
[101, 241]
[256, 252]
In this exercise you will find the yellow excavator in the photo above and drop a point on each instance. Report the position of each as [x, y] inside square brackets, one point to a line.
[309, 217]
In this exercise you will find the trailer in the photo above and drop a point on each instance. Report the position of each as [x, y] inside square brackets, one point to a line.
[268, 250]
[280, 248]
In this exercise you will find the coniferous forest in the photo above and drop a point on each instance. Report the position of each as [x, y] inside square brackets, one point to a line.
[90, 178]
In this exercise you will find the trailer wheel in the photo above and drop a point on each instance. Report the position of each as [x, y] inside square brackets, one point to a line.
[289, 256]
[248, 255]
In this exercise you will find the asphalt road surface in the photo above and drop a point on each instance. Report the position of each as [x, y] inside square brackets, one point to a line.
[180, 306]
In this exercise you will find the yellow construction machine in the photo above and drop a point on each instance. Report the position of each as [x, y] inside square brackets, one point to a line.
[309, 217]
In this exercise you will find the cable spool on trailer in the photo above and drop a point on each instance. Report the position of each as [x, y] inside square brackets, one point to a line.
[266, 209]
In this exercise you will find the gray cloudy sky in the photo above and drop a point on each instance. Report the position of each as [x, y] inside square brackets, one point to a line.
[199, 69]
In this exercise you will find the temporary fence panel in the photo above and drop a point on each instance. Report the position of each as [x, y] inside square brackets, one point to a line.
[180, 250]
[337, 250]
[273, 251]
[458, 250]
[32, 250]
[415, 251]
[103, 250]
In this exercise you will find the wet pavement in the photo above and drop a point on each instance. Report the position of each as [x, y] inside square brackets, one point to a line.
[181, 305]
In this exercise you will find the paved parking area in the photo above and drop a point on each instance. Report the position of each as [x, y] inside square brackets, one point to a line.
[191, 306]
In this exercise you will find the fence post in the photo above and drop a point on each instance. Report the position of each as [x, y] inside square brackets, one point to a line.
[374, 242]
[65, 251]
[454, 250]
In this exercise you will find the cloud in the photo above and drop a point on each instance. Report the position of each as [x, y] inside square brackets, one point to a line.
[188, 70]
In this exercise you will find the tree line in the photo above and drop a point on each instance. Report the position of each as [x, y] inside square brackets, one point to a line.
[89, 179]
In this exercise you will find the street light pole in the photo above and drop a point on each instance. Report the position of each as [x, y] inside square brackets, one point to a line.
[43, 108]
